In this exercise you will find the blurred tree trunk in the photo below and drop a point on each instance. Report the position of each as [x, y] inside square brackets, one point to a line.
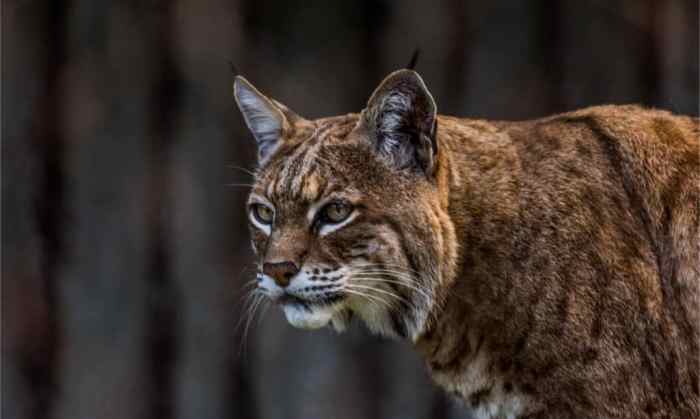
[164, 298]
[675, 34]
[107, 84]
[607, 48]
[32, 205]
[507, 61]
[205, 219]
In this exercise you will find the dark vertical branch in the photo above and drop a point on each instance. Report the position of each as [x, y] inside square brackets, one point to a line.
[457, 58]
[41, 369]
[650, 59]
[441, 405]
[690, 67]
[242, 392]
[163, 302]
[552, 53]
[375, 15]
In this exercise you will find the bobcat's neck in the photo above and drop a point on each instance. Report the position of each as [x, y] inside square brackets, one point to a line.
[478, 169]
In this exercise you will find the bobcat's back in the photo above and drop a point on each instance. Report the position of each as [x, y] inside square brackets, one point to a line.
[579, 286]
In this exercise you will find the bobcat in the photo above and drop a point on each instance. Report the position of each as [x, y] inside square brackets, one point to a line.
[546, 268]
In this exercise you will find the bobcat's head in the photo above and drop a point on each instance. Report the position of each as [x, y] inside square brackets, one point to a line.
[348, 213]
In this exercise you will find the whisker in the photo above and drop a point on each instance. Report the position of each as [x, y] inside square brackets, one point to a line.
[383, 265]
[372, 298]
[247, 284]
[388, 271]
[253, 299]
[242, 169]
[248, 300]
[250, 290]
[256, 306]
[393, 274]
[245, 269]
[244, 341]
[385, 292]
[393, 281]
[396, 276]
[266, 306]
[239, 185]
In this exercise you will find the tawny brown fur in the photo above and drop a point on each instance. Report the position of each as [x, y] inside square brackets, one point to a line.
[562, 254]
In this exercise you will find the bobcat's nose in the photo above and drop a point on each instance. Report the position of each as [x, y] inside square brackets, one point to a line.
[281, 272]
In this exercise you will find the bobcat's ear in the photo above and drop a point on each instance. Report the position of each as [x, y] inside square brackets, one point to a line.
[266, 118]
[401, 118]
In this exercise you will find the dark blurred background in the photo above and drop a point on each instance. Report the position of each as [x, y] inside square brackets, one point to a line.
[124, 252]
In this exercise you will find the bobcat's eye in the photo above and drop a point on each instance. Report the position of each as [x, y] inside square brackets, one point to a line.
[262, 213]
[335, 212]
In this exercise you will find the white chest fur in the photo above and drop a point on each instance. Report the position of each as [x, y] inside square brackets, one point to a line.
[484, 393]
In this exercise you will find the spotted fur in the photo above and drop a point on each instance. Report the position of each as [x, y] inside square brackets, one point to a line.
[543, 269]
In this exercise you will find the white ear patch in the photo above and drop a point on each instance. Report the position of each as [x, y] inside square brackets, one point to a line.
[262, 117]
[263, 121]
[395, 104]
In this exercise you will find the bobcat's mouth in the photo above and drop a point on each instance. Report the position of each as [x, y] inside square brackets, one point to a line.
[311, 300]
[287, 298]
[309, 303]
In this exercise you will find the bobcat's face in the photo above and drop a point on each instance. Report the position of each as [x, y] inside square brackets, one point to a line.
[344, 211]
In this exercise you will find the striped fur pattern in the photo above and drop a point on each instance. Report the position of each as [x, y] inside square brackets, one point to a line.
[543, 269]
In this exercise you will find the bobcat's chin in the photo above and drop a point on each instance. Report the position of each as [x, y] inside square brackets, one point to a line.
[308, 317]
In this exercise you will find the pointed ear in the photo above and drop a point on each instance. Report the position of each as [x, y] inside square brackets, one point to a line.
[401, 118]
[266, 118]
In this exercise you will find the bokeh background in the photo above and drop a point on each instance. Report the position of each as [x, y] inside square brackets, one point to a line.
[125, 249]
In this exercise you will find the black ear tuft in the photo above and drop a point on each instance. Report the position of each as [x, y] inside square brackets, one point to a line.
[401, 116]
[234, 69]
[414, 60]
